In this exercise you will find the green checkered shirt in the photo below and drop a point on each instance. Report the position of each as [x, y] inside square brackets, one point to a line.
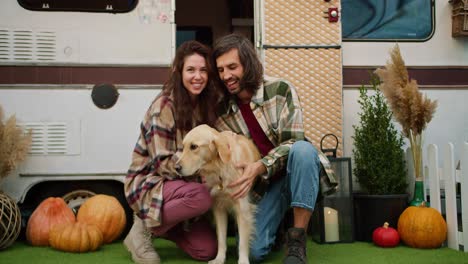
[278, 111]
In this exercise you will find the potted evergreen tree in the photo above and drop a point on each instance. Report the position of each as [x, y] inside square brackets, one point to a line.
[379, 165]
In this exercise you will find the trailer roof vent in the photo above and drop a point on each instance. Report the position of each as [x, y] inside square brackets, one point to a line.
[27, 45]
[23, 42]
[45, 46]
[47, 138]
[4, 44]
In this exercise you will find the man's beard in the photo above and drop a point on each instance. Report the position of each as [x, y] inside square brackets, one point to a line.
[237, 82]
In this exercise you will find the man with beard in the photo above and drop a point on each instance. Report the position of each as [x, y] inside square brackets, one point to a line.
[268, 111]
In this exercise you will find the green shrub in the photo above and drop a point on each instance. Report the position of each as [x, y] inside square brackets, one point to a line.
[379, 164]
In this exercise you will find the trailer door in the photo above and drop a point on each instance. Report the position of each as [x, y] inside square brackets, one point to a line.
[301, 43]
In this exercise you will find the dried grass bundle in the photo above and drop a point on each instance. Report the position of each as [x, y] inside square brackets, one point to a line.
[14, 144]
[410, 108]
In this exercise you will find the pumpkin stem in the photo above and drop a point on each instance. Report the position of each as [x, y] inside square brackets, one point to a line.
[386, 225]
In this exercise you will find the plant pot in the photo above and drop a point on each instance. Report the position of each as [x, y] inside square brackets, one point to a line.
[372, 211]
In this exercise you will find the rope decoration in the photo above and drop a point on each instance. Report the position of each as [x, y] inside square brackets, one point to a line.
[10, 221]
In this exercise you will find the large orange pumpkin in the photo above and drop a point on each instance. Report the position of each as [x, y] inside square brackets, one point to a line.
[75, 237]
[105, 212]
[422, 227]
[50, 212]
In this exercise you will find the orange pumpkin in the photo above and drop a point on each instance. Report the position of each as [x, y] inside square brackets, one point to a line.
[422, 227]
[75, 237]
[50, 212]
[105, 212]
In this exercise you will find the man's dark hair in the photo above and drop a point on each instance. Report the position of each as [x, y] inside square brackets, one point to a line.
[253, 69]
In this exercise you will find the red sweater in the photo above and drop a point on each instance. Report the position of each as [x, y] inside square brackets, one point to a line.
[264, 145]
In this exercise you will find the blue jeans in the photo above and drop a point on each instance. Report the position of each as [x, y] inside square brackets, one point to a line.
[299, 188]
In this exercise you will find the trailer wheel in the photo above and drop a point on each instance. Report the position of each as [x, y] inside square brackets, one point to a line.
[76, 198]
[75, 193]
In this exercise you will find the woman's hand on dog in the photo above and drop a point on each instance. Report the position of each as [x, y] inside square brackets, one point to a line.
[246, 181]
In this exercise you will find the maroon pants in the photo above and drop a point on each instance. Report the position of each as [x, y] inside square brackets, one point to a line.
[182, 201]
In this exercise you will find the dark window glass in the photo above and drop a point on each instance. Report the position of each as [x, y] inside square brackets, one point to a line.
[201, 34]
[109, 6]
[410, 20]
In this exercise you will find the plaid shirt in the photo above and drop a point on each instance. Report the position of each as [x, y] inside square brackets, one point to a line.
[157, 149]
[277, 109]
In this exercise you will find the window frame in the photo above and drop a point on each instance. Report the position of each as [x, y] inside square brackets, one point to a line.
[91, 6]
[429, 36]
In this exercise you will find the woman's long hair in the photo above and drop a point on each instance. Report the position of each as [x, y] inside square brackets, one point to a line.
[207, 99]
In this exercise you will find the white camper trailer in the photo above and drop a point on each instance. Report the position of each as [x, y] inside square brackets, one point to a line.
[82, 75]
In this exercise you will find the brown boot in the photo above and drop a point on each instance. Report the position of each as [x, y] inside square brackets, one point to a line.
[139, 243]
[296, 247]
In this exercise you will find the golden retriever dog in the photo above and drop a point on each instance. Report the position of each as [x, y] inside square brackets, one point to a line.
[214, 156]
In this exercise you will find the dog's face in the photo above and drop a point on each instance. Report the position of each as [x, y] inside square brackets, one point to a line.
[202, 145]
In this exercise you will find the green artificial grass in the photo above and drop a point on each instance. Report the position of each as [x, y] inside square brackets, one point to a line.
[349, 253]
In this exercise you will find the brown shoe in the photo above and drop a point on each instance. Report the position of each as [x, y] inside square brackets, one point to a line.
[296, 247]
[139, 243]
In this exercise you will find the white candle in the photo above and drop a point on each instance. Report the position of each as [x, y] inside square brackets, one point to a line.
[332, 231]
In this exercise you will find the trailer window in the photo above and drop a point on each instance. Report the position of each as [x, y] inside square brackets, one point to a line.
[387, 20]
[109, 6]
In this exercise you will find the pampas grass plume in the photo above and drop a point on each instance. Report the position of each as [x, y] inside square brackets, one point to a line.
[410, 108]
[14, 144]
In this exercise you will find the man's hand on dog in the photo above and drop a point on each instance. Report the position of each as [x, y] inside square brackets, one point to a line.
[245, 182]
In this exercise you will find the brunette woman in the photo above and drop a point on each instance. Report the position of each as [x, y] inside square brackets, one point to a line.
[163, 202]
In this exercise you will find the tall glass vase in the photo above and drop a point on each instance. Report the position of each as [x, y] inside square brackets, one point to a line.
[416, 151]
[418, 197]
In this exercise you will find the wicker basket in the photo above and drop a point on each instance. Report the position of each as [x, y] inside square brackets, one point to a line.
[459, 18]
[10, 221]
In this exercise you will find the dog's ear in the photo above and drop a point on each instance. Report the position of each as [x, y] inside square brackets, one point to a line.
[224, 151]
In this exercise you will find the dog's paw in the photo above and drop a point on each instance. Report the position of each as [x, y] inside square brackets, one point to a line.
[216, 261]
